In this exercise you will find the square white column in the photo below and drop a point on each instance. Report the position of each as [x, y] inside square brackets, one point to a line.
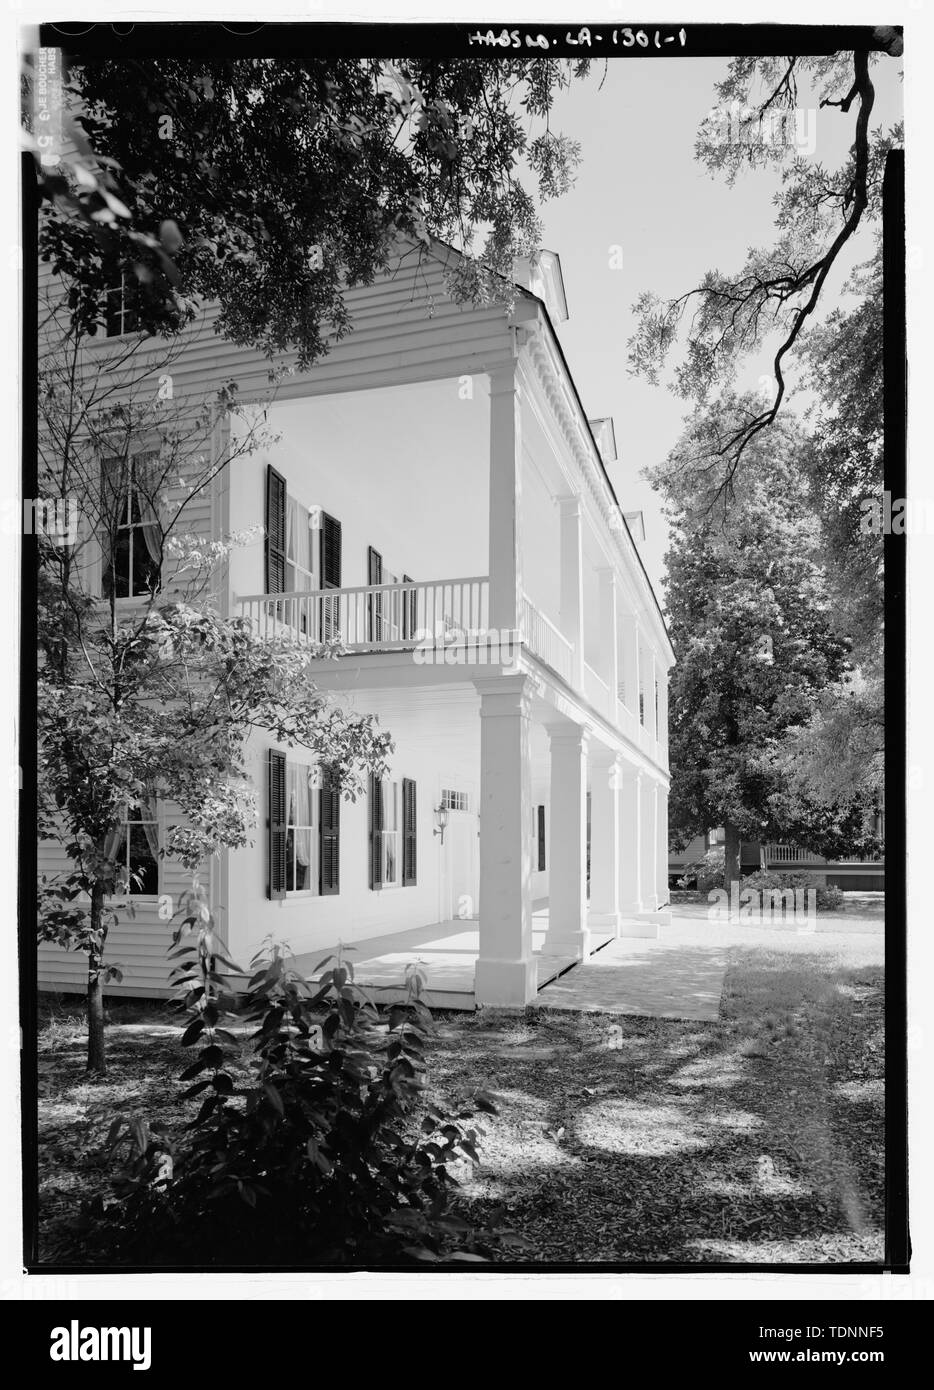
[506, 971]
[609, 636]
[571, 600]
[663, 715]
[649, 840]
[568, 933]
[629, 643]
[505, 499]
[630, 847]
[604, 840]
[647, 662]
[661, 828]
[634, 919]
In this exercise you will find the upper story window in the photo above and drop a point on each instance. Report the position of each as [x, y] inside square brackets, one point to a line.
[122, 298]
[134, 848]
[132, 562]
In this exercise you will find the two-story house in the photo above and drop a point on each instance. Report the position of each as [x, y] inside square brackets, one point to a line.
[437, 501]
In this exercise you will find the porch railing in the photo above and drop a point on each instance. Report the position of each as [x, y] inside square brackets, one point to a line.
[377, 617]
[545, 641]
[787, 854]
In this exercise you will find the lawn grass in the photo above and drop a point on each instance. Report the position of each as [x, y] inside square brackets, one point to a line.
[757, 1138]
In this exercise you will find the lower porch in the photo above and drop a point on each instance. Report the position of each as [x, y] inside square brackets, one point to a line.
[447, 952]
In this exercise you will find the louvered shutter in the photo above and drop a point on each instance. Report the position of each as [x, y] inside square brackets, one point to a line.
[276, 505]
[541, 838]
[329, 836]
[278, 829]
[374, 572]
[330, 576]
[376, 829]
[409, 837]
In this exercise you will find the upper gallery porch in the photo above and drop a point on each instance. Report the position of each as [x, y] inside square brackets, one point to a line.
[446, 623]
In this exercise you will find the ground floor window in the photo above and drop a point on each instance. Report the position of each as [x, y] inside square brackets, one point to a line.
[303, 850]
[299, 841]
[393, 838]
[134, 848]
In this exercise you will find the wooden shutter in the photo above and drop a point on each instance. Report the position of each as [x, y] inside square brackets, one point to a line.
[329, 835]
[276, 503]
[409, 836]
[541, 838]
[376, 828]
[330, 552]
[278, 829]
[330, 567]
[374, 575]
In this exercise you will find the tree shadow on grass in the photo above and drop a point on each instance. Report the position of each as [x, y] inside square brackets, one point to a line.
[755, 1139]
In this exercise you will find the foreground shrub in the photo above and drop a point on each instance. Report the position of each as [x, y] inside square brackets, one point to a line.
[326, 1157]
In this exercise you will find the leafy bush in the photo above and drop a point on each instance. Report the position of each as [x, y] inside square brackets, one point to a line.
[829, 897]
[325, 1156]
[707, 873]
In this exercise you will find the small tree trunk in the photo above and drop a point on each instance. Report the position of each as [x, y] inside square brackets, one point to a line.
[96, 1061]
[731, 871]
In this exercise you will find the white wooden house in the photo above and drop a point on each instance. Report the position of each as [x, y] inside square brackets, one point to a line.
[437, 498]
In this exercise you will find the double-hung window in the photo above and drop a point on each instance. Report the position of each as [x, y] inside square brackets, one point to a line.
[303, 846]
[288, 553]
[393, 833]
[134, 849]
[299, 869]
[131, 536]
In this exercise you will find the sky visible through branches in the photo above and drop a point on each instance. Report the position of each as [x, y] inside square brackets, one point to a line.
[640, 188]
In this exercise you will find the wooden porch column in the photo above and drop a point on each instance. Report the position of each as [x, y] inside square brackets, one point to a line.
[633, 921]
[629, 625]
[663, 714]
[661, 860]
[604, 840]
[568, 933]
[571, 600]
[506, 969]
[505, 495]
[649, 838]
[609, 633]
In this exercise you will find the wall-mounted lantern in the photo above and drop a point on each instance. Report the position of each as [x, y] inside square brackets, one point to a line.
[441, 816]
